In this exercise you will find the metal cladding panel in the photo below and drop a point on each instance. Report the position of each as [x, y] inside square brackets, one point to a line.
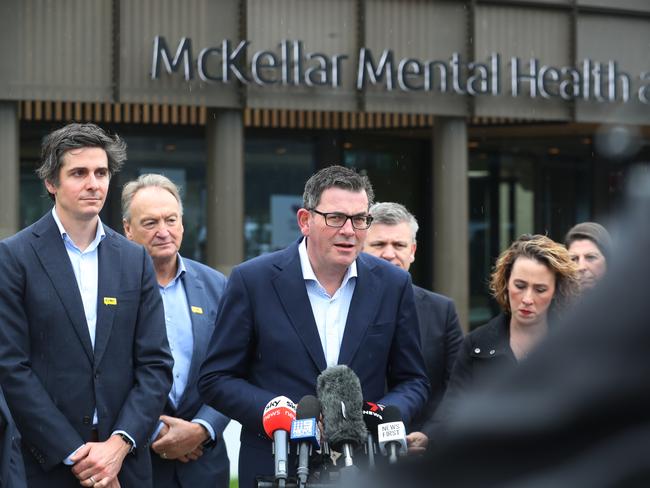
[325, 27]
[627, 42]
[424, 30]
[523, 33]
[56, 50]
[207, 23]
[631, 5]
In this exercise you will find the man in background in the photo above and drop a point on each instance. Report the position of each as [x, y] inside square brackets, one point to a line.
[188, 443]
[392, 237]
[84, 360]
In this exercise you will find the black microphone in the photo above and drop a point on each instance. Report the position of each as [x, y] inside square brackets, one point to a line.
[372, 416]
[392, 434]
[305, 431]
[339, 392]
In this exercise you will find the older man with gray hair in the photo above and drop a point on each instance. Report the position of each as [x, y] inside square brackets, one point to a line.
[188, 440]
[392, 237]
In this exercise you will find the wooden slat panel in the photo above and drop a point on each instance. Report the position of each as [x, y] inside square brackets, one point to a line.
[38, 111]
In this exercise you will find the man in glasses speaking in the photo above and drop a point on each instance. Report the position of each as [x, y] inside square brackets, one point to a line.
[287, 316]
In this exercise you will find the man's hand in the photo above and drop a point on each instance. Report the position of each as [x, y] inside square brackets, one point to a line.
[417, 442]
[180, 439]
[98, 463]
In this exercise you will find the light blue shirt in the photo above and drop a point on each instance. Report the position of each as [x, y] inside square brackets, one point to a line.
[181, 339]
[179, 331]
[85, 265]
[330, 312]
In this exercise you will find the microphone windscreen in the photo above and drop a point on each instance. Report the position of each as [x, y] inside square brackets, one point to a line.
[373, 416]
[278, 415]
[308, 407]
[339, 392]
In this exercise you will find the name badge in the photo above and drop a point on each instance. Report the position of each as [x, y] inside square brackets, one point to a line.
[198, 310]
[110, 301]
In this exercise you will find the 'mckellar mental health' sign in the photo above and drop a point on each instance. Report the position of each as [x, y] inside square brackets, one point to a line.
[590, 80]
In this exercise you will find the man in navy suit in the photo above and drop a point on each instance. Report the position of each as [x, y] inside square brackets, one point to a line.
[84, 360]
[287, 316]
[188, 443]
[12, 470]
[392, 237]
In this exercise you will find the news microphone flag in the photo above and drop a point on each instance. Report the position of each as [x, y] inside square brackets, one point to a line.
[391, 434]
[277, 418]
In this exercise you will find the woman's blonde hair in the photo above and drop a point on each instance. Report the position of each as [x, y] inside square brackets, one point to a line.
[546, 251]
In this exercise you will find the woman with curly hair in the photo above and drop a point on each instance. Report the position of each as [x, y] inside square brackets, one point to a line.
[533, 280]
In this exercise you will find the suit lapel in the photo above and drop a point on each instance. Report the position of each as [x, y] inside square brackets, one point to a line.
[196, 300]
[109, 257]
[362, 308]
[289, 284]
[50, 249]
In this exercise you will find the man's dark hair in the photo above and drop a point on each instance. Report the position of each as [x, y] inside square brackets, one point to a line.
[77, 136]
[335, 177]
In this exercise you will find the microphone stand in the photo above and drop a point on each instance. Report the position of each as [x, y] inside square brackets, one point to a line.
[347, 454]
[370, 446]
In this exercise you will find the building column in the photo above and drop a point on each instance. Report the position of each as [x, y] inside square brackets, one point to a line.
[451, 213]
[225, 189]
[9, 169]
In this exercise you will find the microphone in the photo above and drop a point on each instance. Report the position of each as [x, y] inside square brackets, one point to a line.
[372, 416]
[277, 418]
[392, 434]
[339, 392]
[305, 431]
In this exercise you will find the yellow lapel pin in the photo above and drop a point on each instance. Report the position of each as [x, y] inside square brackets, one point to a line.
[110, 301]
[198, 310]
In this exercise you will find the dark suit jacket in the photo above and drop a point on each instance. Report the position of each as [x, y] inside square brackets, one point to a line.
[484, 354]
[52, 378]
[12, 469]
[266, 343]
[204, 288]
[441, 337]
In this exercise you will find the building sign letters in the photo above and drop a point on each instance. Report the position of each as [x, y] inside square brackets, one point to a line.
[593, 81]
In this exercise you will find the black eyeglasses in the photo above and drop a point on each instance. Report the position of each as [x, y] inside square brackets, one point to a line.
[338, 220]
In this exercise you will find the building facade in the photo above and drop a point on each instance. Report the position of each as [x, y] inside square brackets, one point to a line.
[486, 118]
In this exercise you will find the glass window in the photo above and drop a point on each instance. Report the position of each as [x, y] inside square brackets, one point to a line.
[517, 186]
[276, 169]
[399, 169]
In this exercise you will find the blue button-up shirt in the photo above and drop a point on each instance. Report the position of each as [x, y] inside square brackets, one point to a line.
[181, 339]
[85, 265]
[179, 331]
[330, 312]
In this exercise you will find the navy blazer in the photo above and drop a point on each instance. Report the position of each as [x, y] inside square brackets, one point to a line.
[204, 288]
[441, 339]
[12, 470]
[266, 343]
[53, 379]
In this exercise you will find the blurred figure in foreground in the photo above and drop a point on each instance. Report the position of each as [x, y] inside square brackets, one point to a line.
[590, 246]
[533, 278]
[577, 411]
